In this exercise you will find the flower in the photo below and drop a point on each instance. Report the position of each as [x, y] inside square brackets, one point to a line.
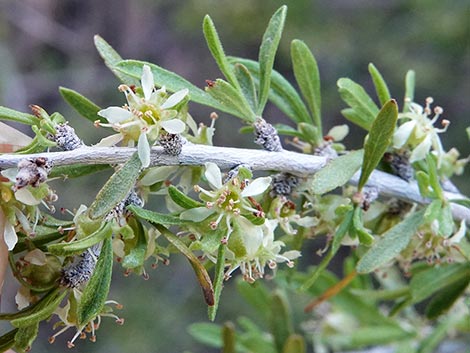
[419, 131]
[228, 201]
[146, 113]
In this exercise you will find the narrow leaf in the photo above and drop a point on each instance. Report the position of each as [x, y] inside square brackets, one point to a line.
[247, 85]
[228, 336]
[207, 333]
[380, 137]
[81, 104]
[409, 90]
[257, 295]
[111, 59]
[232, 99]
[337, 172]
[96, 292]
[446, 297]
[19, 117]
[282, 93]
[25, 337]
[200, 271]
[280, 320]
[358, 99]
[78, 246]
[76, 170]
[295, 344]
[217, 50]
[7, 340]
[155, 217]
[181, 199]
[391, 243]
[381, 87]
[116, 188]
[218, 281]
[308, 78]
[171, 81]
[267, 52]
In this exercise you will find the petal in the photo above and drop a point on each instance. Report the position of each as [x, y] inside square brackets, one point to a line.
[421, 150]
[292, 254]
[115, 114]
[110, 140]
[175, 98]
[174, 126]
[143, 149]
[9, 235]
[403, 133]
[196, 214]
[252, 236]
[147, 82]
[257, 186]
[213, 175]
[36, 257]
[25, 196]
[154, 175]
[338, 132]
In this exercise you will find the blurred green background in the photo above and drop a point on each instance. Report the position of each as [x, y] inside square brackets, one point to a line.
[45, 44]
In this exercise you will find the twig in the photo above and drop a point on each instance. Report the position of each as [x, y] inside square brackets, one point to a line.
[226, 157]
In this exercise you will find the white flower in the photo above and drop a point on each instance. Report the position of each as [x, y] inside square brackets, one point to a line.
[419, 131]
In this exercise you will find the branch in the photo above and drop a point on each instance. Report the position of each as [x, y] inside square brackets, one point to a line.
[225, 157]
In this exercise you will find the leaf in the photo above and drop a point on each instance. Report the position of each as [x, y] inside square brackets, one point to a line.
[308, 78]
[295, 344]
[7, 340]
[76, 170]
[390, 244]
[41, 312]
[409, 90]
[337, 172]
[155, 217]
[25, 336]
[200, 271]
[78, 246]
[247, 85]
[116, 188]
[111, 59]
[217, 50]
[136, 256]
[96, 292]
[232, 99]
[257, 295]
[19, 117]
[207, 333]
[81, 104]
[267, 52]
[358, 228]
[281, 93]
[424, 283]
[380, 137]
[228, 335]
[381, 87]
[181, 199]
[446, 297]
[358, 99]
[280, 320]
[171, 81]
[218, 281]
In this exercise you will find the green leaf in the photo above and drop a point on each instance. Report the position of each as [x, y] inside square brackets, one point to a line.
[19, 117]
[181, 199]
[295, 344]
[409, 90]
[390, 244]
[171, 81]
[228, 336]
[358, 228]
[136, 256]
[96, 292]
[232, 99]
[434, 177]
[358, 99]
[337, 172]
[155, 217]
[41, 312]
[200, 271]
[25, 337]
[280, 320]
[218, 281]
[381, 87]
[81, 104]
[446, 297]
[427, 282]
[76, 170]
[267, 52]
[247, 85]
[308, 78]
[282, 93]
[207, 333]
[446, 220]
[116, 188]
[310, 133]
[257, 295]
[215, 46]
[111, 59]
[423, 183]
[380, 137]
[7, 340]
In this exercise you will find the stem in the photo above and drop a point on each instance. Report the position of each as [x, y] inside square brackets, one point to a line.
[226, 157]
